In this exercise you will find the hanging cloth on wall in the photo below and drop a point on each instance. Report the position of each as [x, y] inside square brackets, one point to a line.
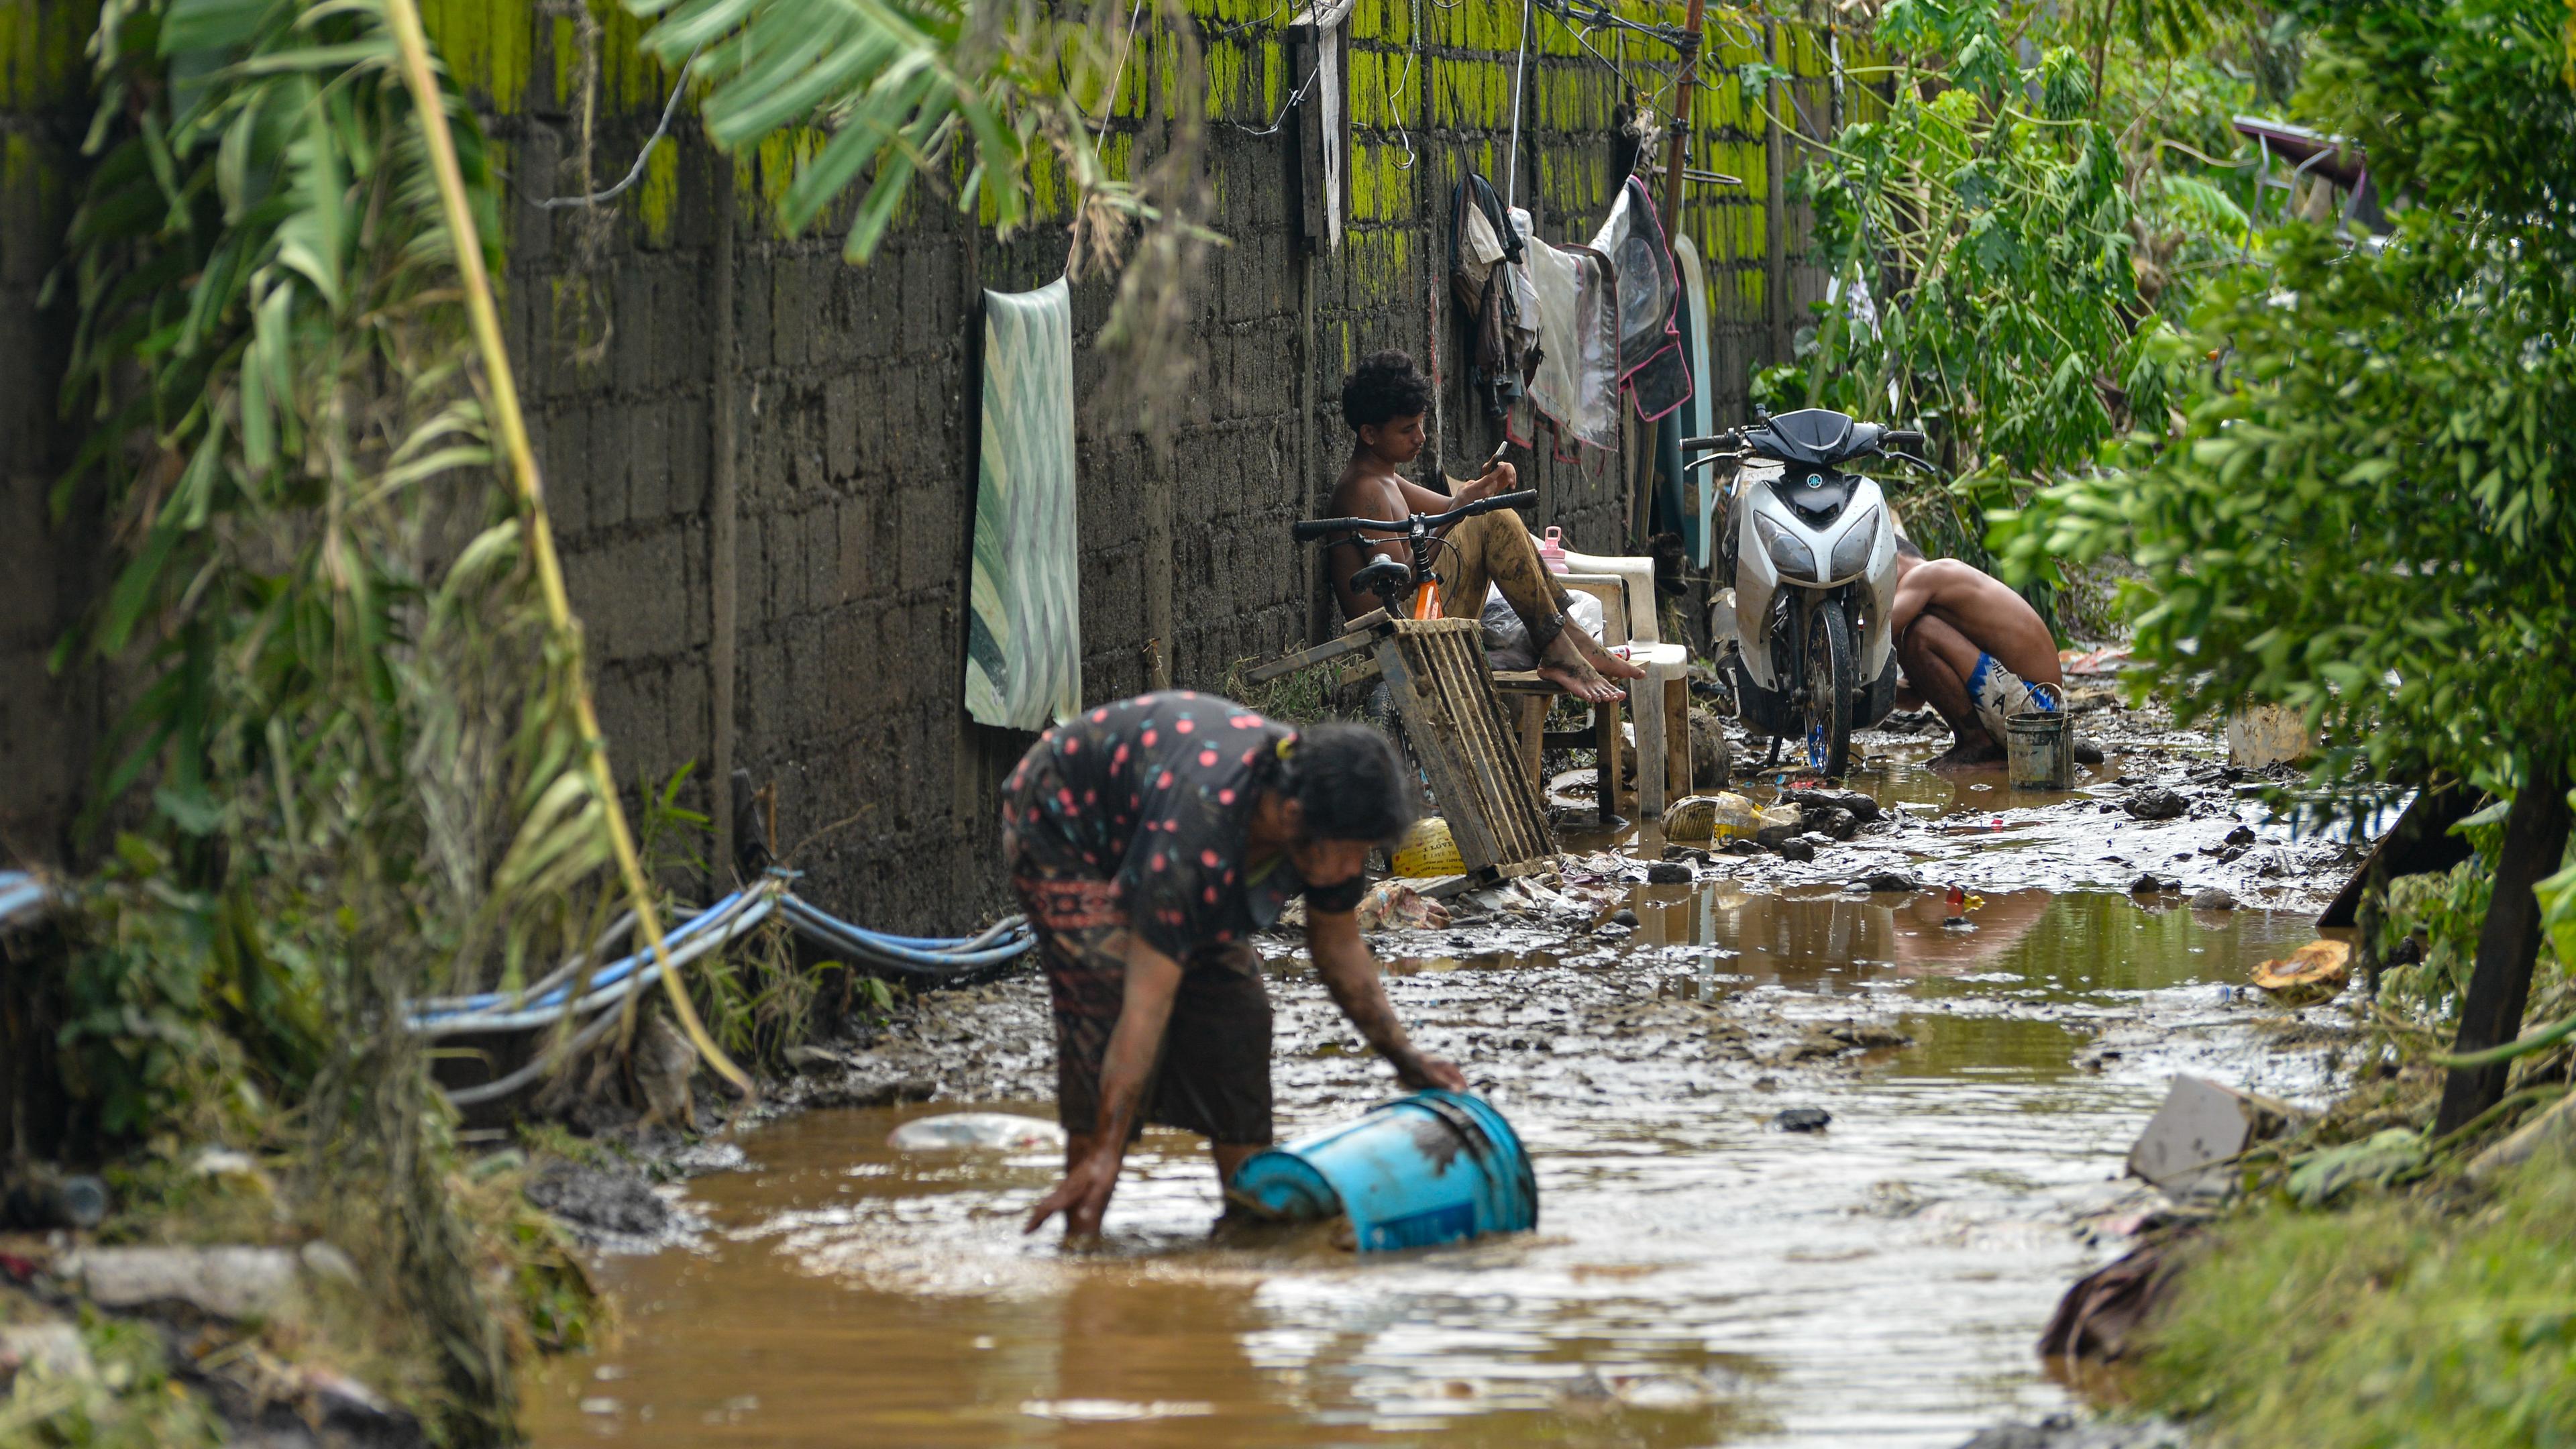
[1576, 378]
[1699, 415]
[1650, 360]
[1024, 629]
[1484, 255]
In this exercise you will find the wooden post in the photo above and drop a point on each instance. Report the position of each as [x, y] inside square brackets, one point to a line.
[1677, 145]
[2535, 832]
[1775, 209]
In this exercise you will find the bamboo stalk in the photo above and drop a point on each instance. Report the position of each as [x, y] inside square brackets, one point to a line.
[404, 18]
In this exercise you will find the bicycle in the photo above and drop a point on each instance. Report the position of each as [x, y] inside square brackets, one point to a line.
[1388, 577]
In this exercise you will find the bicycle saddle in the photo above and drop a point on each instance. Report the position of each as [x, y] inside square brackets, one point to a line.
[1384, 577]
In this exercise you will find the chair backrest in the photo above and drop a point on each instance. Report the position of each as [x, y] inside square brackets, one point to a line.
[1637, 579]
[1612, 591]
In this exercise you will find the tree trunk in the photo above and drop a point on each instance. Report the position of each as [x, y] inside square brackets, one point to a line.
[2535, 832]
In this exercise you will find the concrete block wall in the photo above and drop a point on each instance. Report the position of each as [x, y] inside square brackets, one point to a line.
[47, 574]
[853, 394]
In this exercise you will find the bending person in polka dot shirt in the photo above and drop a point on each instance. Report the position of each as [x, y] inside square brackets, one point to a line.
[1147, 840]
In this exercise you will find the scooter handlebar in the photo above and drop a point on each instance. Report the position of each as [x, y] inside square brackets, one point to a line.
[1901, 440]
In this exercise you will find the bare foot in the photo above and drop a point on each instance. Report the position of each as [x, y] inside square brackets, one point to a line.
[1600, 658]
[1967, 754]
[1562, 665]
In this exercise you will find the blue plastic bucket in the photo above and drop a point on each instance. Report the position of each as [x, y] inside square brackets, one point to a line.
[1435, 1167]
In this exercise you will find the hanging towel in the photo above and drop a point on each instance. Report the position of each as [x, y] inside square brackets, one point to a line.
[1576, 382]
[1023, 633]
[1650, 358]
[1699, 416]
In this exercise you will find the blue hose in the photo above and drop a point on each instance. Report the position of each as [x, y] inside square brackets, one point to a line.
[886, 951]
[608, 975]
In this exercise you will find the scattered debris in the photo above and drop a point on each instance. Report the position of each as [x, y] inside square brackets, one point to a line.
[2200, 1126]
[601, 1201]
[2313, 973]
[2095, 1318]
[228, 1282]
[995, 1131]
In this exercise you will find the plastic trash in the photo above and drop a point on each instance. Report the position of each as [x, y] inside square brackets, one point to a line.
[989, 1131]
[1551, 551]
[1722, 817]
[1427, 850]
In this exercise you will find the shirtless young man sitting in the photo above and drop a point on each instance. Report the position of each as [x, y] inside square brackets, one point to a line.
[1969, 646]
[1384, 401]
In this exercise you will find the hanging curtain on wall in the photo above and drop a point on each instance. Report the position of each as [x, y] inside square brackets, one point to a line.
[1576, 382]
[1024, 626]
[1699, 415]
[1650, 357]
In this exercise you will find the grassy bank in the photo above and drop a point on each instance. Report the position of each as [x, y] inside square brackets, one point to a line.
[2424, 1319]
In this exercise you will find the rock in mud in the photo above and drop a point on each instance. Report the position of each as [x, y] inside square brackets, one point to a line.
[1795, 849]
[996, 1131]
[1862, 807]
[600, 1199]
[1836, 822]
[1802, 1119]
[1892, 880]
[1624, 918]
[874, 1087]
[1711, 758]
[1667, 872]
[2241, 835]
[2063, 1431]
[1868, 1036]
[2156, 803]
[2149, 883]
[1742, 847]
[53, 1349]
[2211, 898]
[2088, 750]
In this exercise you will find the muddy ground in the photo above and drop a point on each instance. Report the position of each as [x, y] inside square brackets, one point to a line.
[1646, 1013]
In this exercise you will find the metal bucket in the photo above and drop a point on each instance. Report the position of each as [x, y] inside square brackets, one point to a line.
[1435, 1167]
[2039, 743]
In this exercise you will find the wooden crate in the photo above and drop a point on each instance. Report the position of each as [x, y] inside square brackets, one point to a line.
[1435, 673]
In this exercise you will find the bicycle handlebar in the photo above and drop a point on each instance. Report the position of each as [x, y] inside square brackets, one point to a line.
[1314, 528]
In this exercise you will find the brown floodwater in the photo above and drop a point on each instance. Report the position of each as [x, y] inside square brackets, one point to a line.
[1697, 1277]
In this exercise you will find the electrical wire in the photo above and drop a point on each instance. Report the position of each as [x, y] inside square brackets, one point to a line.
[670, 108]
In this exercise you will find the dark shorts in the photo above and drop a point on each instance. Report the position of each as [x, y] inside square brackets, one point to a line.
[1212, 1076]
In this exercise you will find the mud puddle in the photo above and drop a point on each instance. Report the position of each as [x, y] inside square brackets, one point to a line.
[1698, 1276]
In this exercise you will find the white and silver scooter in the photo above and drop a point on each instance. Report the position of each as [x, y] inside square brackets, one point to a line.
[1813, 658]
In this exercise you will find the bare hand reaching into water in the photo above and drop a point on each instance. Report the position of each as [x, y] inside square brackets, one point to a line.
[1083, 1196]
[1425, 1071]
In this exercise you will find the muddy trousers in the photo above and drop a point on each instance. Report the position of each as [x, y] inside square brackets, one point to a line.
[1496, 549]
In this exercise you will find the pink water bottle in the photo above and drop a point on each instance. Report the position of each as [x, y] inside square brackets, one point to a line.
[1551, 551]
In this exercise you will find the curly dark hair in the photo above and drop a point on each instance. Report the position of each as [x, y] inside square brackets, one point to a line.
[1353, 784]
[1385, 385]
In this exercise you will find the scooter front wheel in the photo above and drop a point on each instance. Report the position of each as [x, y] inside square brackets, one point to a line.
[1832, 676]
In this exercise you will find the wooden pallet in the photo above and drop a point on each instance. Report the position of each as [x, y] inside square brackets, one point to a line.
[1435, 673]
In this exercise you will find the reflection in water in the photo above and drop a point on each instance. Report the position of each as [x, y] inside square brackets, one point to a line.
[1696, 1279]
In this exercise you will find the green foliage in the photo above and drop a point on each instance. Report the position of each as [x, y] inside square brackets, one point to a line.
[2389, 1323]
[2367, 515]
[130, 1403]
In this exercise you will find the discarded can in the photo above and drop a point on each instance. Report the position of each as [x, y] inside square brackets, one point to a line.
[2039, 744]
[1434, 1167]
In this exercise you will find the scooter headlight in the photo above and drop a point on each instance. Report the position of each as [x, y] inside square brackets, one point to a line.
[1851, 552]
[1789, 553]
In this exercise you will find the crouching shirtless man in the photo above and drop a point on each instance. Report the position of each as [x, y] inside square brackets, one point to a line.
[1970, 647]
[1384, 400]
